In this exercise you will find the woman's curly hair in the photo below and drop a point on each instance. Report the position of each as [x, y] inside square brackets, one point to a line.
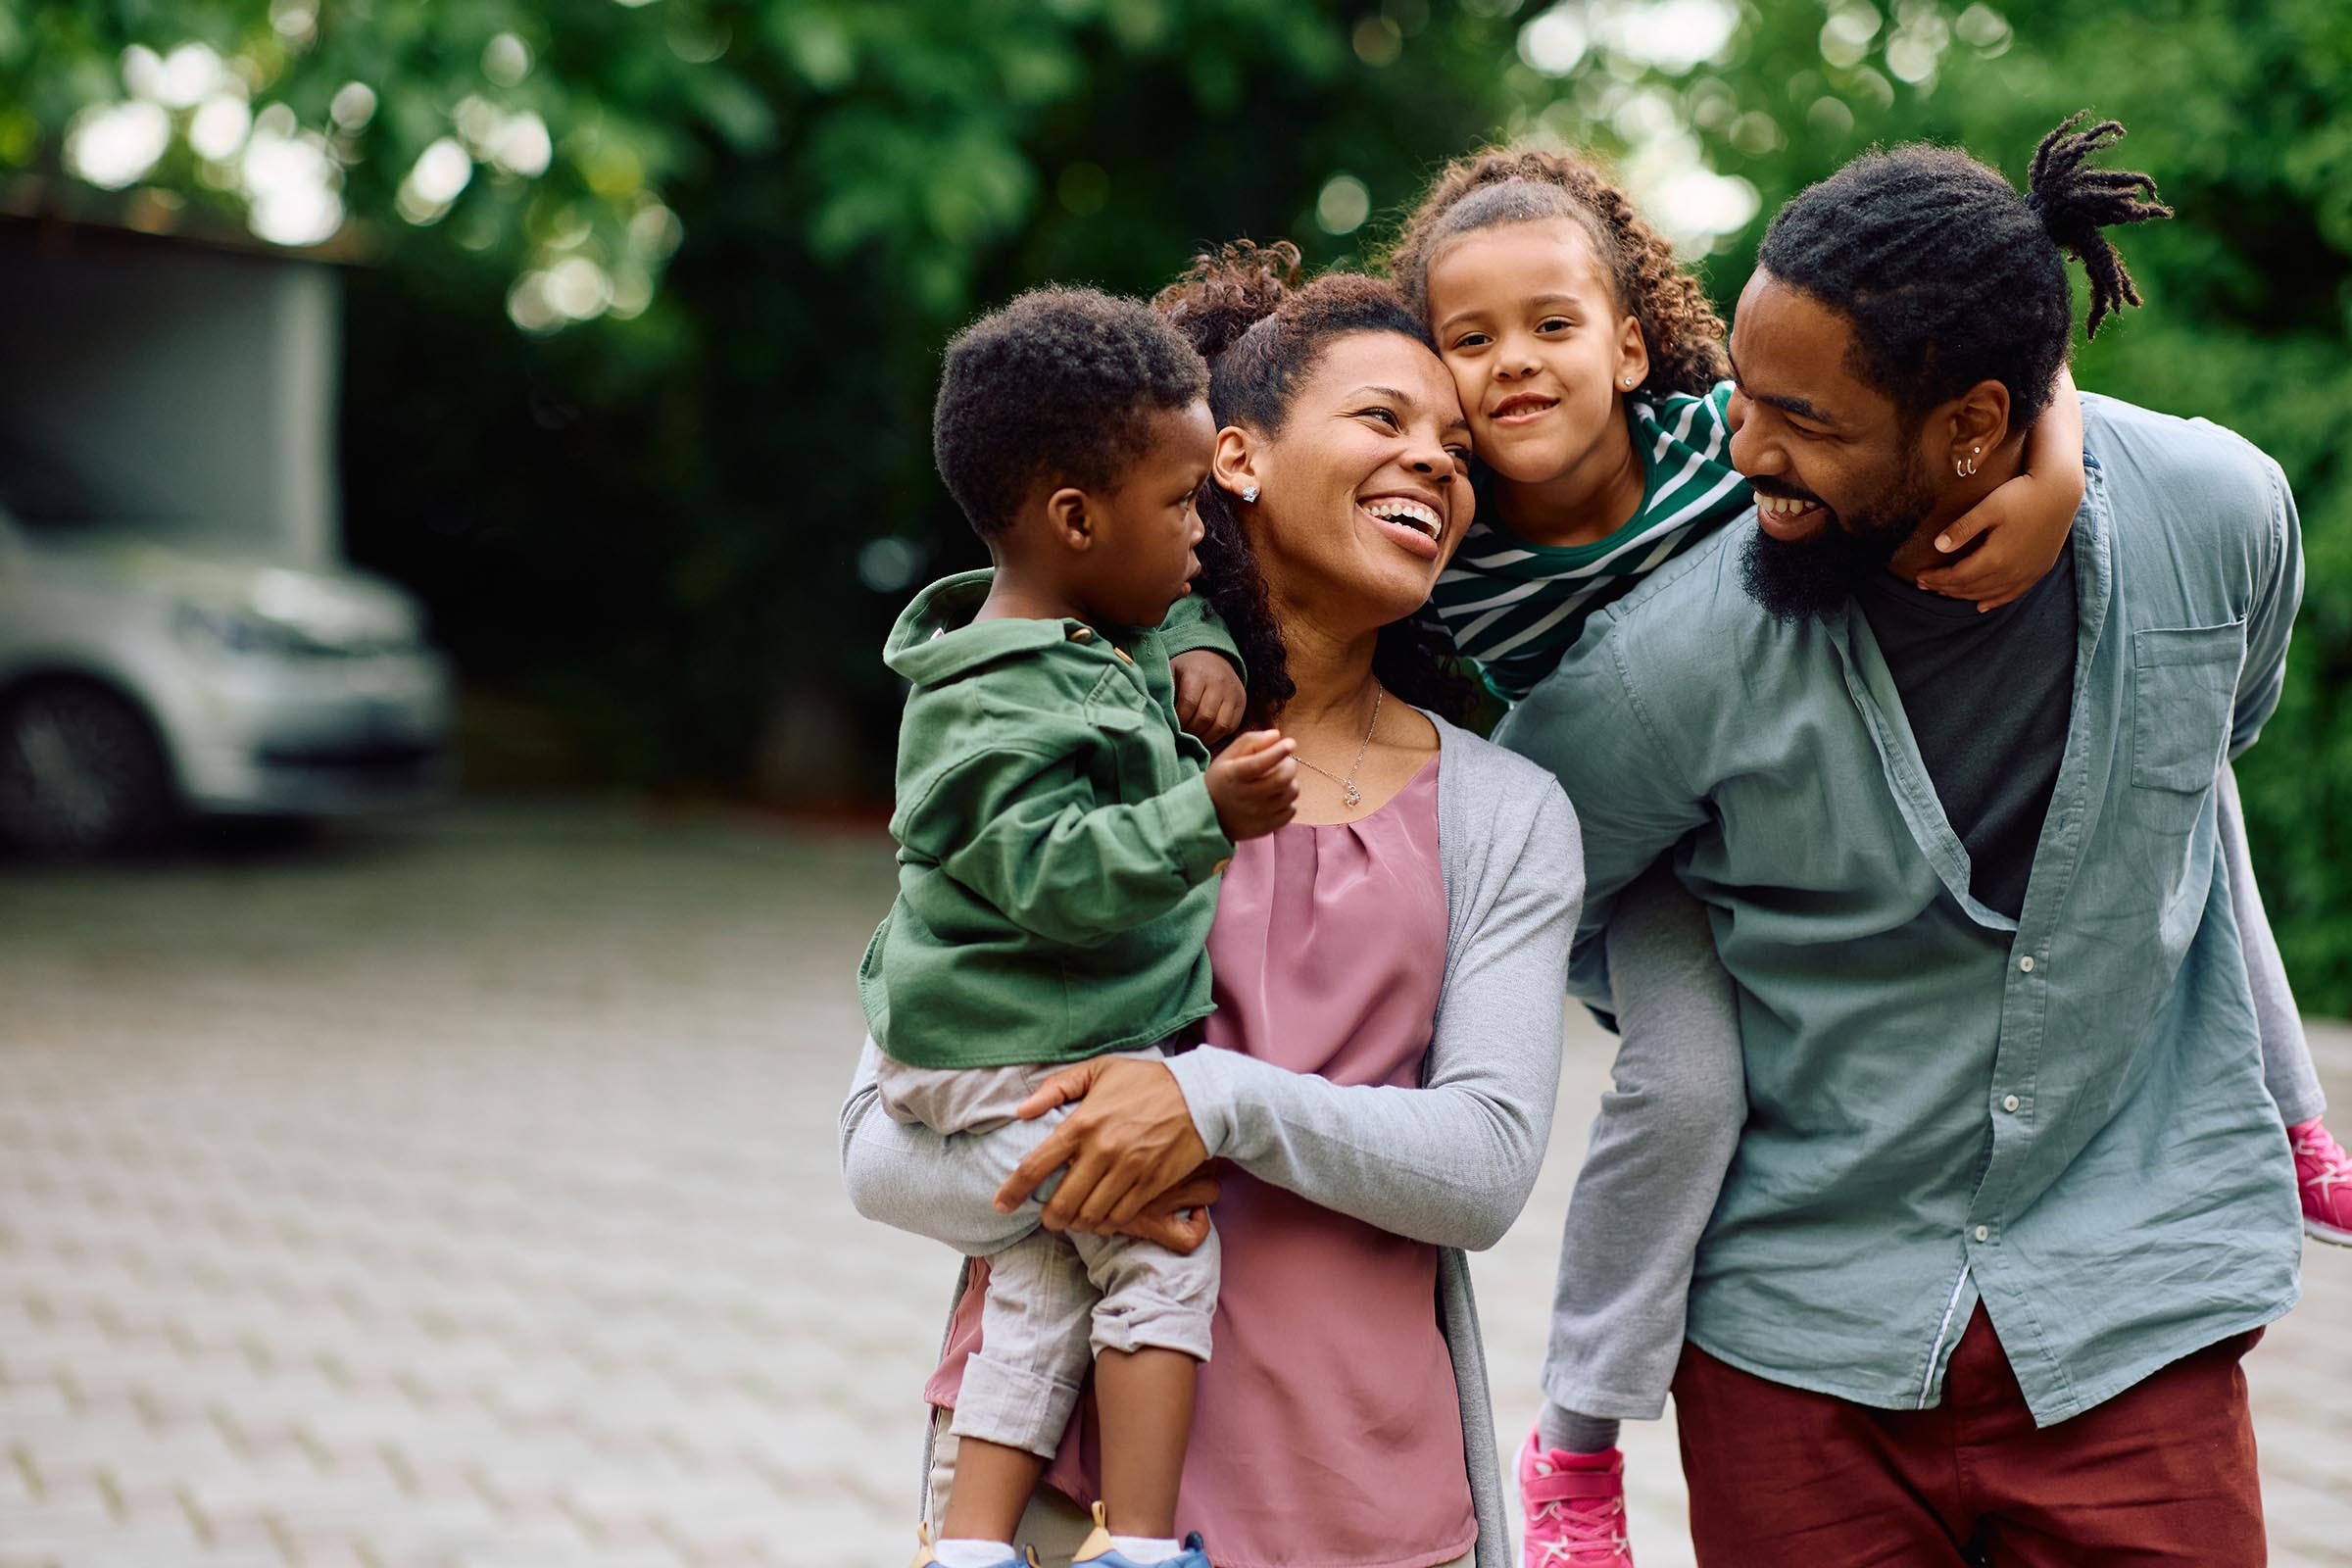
[1524, 184]
[1263, 331]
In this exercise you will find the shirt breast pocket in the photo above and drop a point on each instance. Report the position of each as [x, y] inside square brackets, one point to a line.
[2185, 690]
[1130, 765]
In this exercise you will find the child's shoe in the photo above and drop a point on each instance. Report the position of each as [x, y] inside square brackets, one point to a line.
[1574, 1507]
[925, 1557]
[2324, 1171]
[1097, 1551]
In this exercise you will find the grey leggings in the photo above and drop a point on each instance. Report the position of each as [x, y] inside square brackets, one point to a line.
[1667, 1128]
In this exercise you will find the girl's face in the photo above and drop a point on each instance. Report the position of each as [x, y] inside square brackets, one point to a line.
[1529, 324]
[1365, 494]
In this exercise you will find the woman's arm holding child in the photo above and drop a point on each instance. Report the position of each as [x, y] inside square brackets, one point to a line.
[1449, 1163]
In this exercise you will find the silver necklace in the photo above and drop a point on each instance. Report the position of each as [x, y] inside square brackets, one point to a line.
[1349, 796]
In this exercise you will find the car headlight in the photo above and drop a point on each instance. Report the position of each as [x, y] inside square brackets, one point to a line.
[241, 634]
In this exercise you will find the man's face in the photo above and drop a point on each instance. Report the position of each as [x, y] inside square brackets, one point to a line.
[1841, 477]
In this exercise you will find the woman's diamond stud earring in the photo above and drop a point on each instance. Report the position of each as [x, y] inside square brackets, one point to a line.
[1249, 492]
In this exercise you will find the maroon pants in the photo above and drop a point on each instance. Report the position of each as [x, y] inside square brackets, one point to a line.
[2162, 1473]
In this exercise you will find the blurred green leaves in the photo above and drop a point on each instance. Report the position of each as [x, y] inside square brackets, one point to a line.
[682, 508]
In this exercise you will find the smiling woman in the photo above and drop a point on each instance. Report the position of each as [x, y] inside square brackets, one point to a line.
[1376, 1107]
[1336, 436]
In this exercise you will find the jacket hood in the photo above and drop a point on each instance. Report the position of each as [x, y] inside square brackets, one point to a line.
[936, 639]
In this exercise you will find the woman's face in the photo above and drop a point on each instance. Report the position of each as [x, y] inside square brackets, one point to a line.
[1365, 494]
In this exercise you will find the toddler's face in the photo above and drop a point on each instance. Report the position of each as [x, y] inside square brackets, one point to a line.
[1143, 560]
[1528, 322]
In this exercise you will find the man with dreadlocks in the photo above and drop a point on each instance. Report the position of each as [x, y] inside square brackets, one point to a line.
[2011, 1199]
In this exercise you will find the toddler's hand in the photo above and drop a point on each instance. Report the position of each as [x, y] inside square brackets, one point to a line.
[1178, 1218]
[1255, 784]
[1209, 695]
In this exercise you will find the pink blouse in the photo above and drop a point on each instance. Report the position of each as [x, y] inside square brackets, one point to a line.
[1327, 1431]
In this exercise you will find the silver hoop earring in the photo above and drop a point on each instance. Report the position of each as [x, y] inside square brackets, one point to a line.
[1249, 492]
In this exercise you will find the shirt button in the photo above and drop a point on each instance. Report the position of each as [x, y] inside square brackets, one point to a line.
[1984, 1233]
[2009, 1102]
[2026, 963]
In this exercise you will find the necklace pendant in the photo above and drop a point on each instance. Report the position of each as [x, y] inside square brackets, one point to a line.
[1352, 797]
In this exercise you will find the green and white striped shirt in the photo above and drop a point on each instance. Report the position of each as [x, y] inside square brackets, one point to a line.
[1515, 607]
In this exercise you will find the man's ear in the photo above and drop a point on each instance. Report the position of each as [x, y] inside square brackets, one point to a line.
[1070, 518]
[1978, 424]
[1235, 465]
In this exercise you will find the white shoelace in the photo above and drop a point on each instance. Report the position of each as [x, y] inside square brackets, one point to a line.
[2336, 1167]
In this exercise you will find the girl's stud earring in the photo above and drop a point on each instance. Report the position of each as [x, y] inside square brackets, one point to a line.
[1249, 492]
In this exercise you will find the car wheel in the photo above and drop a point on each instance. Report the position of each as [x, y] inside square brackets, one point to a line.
[80, 772]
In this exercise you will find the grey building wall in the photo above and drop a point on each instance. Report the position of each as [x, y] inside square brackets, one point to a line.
[203, 380]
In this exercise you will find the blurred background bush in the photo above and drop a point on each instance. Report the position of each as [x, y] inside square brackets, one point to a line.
[647, 302]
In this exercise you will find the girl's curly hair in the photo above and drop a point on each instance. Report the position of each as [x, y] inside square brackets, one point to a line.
[1523, 184]
[1263, 331]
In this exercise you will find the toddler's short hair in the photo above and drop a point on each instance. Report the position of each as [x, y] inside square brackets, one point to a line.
[1060, 383]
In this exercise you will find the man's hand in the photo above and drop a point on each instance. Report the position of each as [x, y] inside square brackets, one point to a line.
[1209, 696]
[1253, 783]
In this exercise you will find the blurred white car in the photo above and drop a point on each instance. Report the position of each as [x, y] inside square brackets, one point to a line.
[146, 670]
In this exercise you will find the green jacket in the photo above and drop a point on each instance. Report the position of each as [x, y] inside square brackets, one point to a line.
[1057, 851]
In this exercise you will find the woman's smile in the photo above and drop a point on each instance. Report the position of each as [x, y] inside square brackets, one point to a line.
[1415, 523]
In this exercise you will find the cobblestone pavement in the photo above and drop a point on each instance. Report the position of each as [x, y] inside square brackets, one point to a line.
[463, 1194]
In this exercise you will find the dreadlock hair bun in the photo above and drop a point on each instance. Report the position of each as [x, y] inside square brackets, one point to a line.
[2076, 201]
[1521, 184]
[1947, 276]
[1263, 331]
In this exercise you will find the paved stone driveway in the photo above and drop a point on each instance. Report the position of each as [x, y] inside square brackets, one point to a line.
[462, 1194]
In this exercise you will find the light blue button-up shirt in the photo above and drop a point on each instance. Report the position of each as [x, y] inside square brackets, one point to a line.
[2062, 1114]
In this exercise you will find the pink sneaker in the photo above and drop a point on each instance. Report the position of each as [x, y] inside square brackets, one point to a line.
[2324, 1173]
[1575, 1508]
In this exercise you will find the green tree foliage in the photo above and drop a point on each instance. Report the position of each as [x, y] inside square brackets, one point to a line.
[673, 491]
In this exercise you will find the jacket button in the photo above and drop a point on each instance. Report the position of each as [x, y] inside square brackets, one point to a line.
[1218, 869]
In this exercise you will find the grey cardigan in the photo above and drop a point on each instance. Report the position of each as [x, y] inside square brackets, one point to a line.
[1451, 1163]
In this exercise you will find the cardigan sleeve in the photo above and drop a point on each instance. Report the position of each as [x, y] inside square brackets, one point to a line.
[1453, 1160]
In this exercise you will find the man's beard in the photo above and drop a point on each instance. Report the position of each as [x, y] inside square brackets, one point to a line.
[1812, 580]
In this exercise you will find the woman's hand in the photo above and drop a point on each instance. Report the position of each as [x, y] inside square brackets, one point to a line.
[1130, 1139]
[1209, 696]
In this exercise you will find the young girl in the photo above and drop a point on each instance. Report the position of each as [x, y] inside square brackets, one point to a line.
[1591, 368]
